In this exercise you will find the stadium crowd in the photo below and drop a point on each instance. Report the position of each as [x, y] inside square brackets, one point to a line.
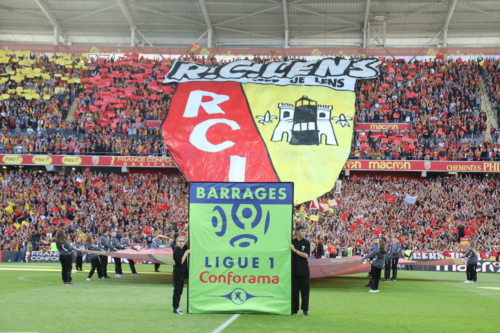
[445, 210]
[66, 104]
[37, 204]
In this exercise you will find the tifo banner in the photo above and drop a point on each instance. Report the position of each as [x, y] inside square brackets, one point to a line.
[279, 121]
[382, 127]
[240, 236]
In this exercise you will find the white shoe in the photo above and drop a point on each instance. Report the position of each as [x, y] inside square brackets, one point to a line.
[467, 281]
[89, 279]
[373, 291]
[123, 275]
[102, 279]
[178, 311]
[118, 275]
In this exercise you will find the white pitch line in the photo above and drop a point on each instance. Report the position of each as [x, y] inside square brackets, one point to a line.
[227, 323]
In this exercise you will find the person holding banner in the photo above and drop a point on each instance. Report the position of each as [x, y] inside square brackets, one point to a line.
[378, 260]
[180, 272]
[471, 259]
[301, 249]
[106, 245]
[94, 259]
[396, 253]
[115, 243]
[65, 255]
[388, 262]
[371, 249]
[126, 243]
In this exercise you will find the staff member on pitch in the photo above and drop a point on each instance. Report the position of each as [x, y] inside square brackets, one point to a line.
[371, 249]
[378, 260]
[118, 261]
[396, 253]
[471, 258]
[65, 255]
[180, 272]
[105, 243]
[94, 259]
[301, 249]
[126, 243]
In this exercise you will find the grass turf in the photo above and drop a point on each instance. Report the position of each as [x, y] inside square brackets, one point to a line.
[33, 299]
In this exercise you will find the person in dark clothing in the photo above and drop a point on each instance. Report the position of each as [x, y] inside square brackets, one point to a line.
[319, 252]
[388, 262]
[301, 249]
[65, 255]
[106, 246]
[156, 245]
[461, 232]
[378, 260]
[115, 243]
[94, 259]
[180, 272]
[395, 254]
[126, 243]
[79, 257]
[372, 248]
[471, 259]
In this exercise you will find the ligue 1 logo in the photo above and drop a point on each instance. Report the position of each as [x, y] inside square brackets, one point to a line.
[272, 122]
[244, 218]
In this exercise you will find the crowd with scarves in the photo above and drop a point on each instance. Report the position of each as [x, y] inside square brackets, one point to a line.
[36, 205]
[114, 105]
[443, 211]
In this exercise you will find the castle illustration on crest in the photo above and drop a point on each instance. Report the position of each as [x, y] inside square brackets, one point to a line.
[306, 123]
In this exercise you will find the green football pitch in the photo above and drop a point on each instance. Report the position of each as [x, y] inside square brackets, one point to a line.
[33, 299]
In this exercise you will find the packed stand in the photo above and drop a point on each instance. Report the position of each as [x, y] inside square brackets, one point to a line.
[491, 75]
[36, 204]
[441, 100]
[445, 208]
[123, 99]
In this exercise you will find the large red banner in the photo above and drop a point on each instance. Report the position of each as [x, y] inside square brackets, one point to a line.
[73, 160]
[382, 127]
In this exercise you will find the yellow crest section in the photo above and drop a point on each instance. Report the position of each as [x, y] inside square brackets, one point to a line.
[307, 131]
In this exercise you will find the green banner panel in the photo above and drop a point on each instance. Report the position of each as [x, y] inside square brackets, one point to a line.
[239, 236]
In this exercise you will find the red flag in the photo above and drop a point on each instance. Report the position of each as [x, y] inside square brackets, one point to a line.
[344, 216]
[378, 232]
[353, 227]
[439, 56]
[164, 207]
[314, 204]
[87, 170]
[360, 241]
[428, 231]
[56, 222]
[67, 221]
[95, 180]
[54, 209]
[358, 222]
